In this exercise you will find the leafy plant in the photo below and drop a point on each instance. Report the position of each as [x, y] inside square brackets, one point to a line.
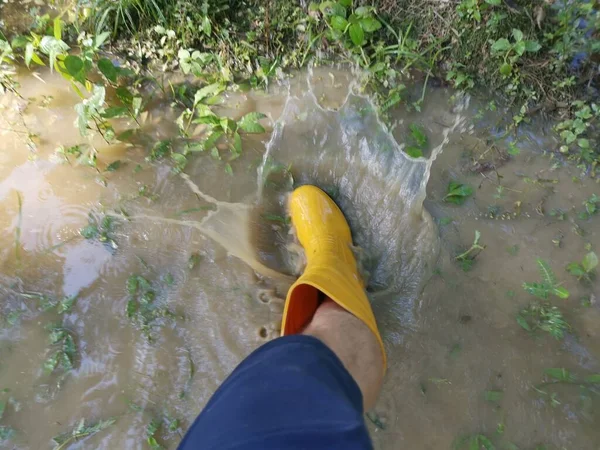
[418, 141]
[64, 351]
[472, 9]
[100, 230]
[575, 132]
[543, 317]
[549, 284]
[585, 268]
[142, 308]
[48, 303]
[351, 30]
[458, 193]
[511, 52]
[79, 432]
[591, 206]
[467, 259]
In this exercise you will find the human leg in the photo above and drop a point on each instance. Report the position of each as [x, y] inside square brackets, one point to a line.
[354, 344]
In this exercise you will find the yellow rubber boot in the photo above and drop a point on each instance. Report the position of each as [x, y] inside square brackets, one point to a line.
[331, 269]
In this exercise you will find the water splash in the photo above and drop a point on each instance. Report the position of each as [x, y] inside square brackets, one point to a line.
[352, 155]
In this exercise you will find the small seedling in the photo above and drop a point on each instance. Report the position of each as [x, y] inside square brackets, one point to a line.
[511, 52]
[549, 284]
[81, 431]
[458, 193]
[585, 269]
[543, 317]
[467, 259]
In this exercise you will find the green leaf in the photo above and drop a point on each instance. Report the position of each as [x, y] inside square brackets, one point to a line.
[124, 95]
[6, 433]
[576, 269]
[345, 3]
[57, 28]
[537, 289]
[517, 34]
[52, 47]
[330, 8]
[74, 66]
[89, 231]
[532, 46]
[208, 91]
[206, 26]
[369, 24]
[237, 143]
[131, 308]
[494, 2]
[212, 139]
[2, 408]
[101, 39]
[501, 45]
[339, 23]
[357, 34]
[546, 273]
[523, 322]
[413, 152]
[513, 149]
[560, 374]
[66, 304]
[594, 379]
[228, 169]
[174, 425]
[180, 161]
[115, 111]
[29, 49]
[51, 363]
[418, 134]
[505, 69]
[107, 68]
[583, 143]
[249, 123]
[590, 261]
[114, 166]
[560, 292]
[519, 48]
[458, 193]
[57, 335]
[493, 396]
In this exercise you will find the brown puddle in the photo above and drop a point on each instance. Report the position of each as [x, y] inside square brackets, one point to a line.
[451, 335]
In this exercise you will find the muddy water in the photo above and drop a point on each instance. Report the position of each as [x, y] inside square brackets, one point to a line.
[451, 335]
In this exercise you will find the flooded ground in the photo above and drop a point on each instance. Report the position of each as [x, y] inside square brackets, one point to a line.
[459, 363]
